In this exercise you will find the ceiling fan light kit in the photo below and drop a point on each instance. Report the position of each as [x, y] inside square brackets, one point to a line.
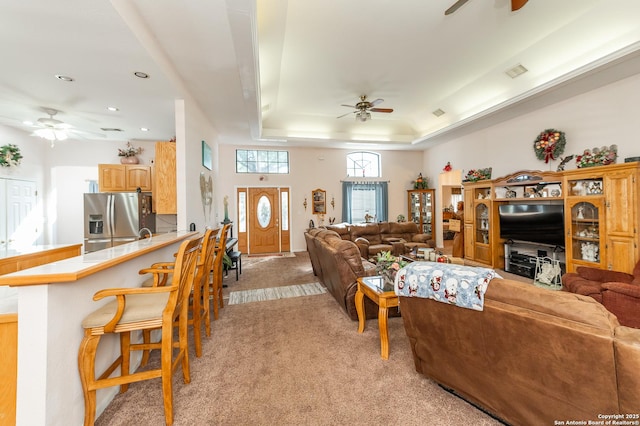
[364, 108]
[363, 116]
[52, 134]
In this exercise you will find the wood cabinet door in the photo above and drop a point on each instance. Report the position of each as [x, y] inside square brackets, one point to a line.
[620, 203]
[621, 254]
[138, 177]
[164, 176]
[112, 177]
[469, 241]
[468, 205]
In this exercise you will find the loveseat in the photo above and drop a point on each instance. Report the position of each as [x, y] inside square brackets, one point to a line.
[337, 264]
[619, 292]
[372, 238]
[532, 356]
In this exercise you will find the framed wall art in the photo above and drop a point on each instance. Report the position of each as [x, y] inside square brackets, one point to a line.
[207, 160]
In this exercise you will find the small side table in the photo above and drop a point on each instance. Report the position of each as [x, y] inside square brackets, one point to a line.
[367, 286]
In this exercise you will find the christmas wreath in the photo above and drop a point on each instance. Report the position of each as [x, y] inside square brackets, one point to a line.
[549, 145]
[10, 155]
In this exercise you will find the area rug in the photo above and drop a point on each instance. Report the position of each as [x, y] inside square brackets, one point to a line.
[274, 293]
[287, 254]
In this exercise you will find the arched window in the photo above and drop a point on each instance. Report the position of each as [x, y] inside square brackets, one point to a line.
[363, 164]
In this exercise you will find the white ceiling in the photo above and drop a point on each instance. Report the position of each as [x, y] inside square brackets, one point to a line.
[276, 70]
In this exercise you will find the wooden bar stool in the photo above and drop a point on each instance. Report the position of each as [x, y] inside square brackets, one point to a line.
[135, 309]
[216, 272]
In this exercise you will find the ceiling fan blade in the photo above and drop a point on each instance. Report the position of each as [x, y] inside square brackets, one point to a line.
[344, 115]
[350, 106]
[517, 4]
[376, 102]
[381, 109]
[457, 5]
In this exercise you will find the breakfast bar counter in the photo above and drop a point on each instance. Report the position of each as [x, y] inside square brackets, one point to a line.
[17, 259]
[53, 299]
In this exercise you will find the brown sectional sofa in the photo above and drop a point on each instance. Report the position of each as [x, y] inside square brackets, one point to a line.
[372, 238]
[532, 356]
[337, 264]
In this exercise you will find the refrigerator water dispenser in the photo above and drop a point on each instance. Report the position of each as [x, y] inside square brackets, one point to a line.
[96, 224]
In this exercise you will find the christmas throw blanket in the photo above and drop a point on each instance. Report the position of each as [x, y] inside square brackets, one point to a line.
[457, 285]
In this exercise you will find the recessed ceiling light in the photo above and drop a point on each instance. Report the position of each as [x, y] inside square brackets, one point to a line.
[144, 129]
[516, 71]
[27, 123]
[141, 74]
[113, 109]
[438, 112]
[64, 77]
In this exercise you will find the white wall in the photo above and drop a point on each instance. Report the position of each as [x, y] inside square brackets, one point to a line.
[191, 129]
[604, 116]
[313, 168]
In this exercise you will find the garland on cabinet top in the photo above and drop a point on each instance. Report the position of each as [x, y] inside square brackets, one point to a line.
[10, 155]
[597, 156]
[475, 175]
[549, 144]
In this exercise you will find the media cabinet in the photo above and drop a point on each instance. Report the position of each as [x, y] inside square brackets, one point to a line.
[601, 214]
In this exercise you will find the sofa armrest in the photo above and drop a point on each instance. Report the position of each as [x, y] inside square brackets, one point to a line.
[363, 245]
[361, 240]
[631, 290]
[603, 275]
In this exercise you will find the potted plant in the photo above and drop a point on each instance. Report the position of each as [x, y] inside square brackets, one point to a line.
[128, 154]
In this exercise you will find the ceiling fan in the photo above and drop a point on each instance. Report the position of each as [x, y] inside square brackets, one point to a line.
[364, 108]
[515, 5]
[53, 129]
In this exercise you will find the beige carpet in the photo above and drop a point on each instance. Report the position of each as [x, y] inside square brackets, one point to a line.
[295, 361]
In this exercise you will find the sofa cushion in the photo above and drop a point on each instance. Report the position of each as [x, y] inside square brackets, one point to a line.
[369, 231]
[342, 229]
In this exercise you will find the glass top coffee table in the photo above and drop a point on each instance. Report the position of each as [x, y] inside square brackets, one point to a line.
[372, 288]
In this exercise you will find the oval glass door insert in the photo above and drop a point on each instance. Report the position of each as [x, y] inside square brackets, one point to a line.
[264, 211]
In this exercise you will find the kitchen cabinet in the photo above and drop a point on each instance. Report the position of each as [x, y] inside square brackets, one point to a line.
[164, 185]
[124, 177]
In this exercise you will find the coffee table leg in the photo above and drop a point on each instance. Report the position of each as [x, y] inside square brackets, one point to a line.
[384, 335]
[360, 310]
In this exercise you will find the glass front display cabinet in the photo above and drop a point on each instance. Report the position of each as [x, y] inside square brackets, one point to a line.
[422, 209]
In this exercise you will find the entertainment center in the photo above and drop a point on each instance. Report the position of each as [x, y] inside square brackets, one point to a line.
[588, 216]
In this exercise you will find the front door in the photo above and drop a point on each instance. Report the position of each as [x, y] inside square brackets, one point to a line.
[263, 217]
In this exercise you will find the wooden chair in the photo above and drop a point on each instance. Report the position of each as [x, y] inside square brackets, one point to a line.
[198, 302]
[217, 272]
[140, 309]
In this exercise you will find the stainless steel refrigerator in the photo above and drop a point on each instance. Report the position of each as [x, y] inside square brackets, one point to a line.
[114, 218]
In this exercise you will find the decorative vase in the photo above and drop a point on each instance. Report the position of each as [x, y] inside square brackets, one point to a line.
[129, 160]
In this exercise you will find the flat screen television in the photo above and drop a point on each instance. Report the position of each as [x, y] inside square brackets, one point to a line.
[537, 223]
